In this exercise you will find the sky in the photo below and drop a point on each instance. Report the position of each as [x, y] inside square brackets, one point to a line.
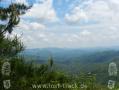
[69, 23]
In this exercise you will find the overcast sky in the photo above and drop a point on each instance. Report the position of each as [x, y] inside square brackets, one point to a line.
[70, 23]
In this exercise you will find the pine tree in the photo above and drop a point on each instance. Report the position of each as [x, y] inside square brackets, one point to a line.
[10, 46]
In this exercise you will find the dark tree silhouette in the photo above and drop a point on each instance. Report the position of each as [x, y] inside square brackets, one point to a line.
[10, 46]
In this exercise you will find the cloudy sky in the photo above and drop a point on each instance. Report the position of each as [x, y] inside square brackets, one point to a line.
[70, 23]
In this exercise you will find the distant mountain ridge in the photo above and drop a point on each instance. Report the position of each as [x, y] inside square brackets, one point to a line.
[68, 54]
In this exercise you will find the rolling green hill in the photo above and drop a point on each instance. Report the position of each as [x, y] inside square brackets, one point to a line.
[76, 61]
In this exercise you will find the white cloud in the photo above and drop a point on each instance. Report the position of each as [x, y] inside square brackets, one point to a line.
[99, 11]
[114, 1]
[76, 15]
[44, 11]
[21, 2]
[85, 33]
[25, 25]
[102, 11]
[36, 26]
[86, 37]
[103, 33]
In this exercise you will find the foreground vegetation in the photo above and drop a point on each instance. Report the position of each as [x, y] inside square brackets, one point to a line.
[25, 75]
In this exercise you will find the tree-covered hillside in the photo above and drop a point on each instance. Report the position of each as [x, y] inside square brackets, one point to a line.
[76, 61]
